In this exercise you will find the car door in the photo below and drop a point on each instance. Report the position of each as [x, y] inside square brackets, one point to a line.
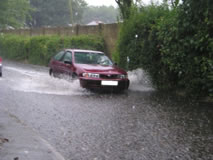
[67, 65]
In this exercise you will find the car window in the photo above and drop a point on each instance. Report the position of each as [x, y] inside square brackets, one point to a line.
[92, 58]
[68, 57]
[59, 56]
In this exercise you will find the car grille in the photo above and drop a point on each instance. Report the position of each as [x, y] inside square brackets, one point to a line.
[109, 76]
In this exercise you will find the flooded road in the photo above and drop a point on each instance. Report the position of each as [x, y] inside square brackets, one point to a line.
[139, 124]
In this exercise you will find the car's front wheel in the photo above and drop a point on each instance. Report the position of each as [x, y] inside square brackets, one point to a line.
[74, 76]
[52, 73]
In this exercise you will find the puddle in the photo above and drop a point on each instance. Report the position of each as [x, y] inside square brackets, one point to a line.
[38, 82]
[28, 80]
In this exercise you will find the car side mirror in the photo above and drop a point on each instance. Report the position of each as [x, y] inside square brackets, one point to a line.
[115, 64]
[68, 62]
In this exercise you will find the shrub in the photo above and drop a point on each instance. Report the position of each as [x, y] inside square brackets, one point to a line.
[174, 44]
[39, 49]
[186, 46]
[138, 42]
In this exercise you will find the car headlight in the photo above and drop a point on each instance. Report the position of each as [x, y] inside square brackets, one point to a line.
[123, 76]
[91, 75]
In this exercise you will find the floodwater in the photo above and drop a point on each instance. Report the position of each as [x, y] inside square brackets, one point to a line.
[41, 82]
[139, 124]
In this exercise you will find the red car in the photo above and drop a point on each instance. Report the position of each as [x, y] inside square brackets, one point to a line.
[0, 67]
[93, 69]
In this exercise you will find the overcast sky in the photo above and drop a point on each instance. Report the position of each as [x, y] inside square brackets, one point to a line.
[109, 2]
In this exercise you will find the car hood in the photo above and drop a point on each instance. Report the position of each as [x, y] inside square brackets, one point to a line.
[99, 69]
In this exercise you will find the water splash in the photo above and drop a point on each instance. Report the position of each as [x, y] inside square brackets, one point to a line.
[30, 80]
[38, 82]
[139, 80]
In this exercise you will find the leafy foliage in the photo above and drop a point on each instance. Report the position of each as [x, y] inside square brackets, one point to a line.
[39, 49]
[56, 12]
[138, 41]
[173, 43]
[187, 46]
[13, 13]
[125, 7]
[102, 13]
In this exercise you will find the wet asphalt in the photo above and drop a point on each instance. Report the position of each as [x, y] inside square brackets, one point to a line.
[139, 124]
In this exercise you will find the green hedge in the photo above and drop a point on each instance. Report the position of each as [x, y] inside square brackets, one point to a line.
[138, 42]
[39, 49]
[173, 44]
[186, 40]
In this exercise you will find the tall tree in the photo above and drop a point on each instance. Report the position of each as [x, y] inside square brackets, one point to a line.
[125, 7]
[78, 7]
[13, 13]
[56, 12]
[100, 13]
[3, 12]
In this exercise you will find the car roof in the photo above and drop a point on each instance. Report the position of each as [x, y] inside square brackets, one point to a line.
[83, 50]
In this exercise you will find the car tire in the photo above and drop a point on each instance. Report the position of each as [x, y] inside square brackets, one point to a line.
[0, 74]
[51, 72]
[74, 76]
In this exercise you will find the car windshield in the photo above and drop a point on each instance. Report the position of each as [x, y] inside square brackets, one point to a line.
[92, 58]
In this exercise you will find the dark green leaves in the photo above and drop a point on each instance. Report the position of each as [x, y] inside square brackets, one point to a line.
[174, 44]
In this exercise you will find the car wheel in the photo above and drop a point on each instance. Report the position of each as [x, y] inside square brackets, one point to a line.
[74, 76]
[50, 72]
[0, 74]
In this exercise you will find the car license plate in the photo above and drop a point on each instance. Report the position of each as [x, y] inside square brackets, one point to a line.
[109, 83]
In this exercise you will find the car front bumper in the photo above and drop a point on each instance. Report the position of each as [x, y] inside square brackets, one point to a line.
[122, 84]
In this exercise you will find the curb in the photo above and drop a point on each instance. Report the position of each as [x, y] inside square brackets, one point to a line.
[19, 142]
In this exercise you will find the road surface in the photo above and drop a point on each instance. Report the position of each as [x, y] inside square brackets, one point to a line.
[139, 124]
